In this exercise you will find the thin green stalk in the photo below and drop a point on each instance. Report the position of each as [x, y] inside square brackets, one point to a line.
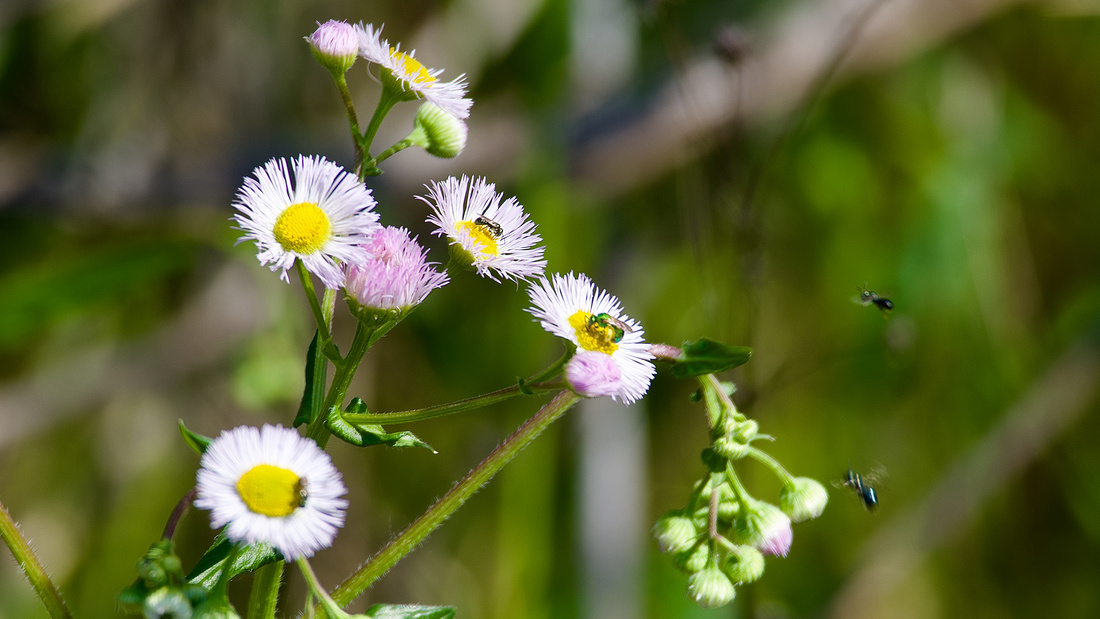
[353, 118]
[389, 152]
[265, 591]
[408, 539]
[331, 608]
[739, 491]
[31, 566]
[311, 296]
[385, 103]
[341, 381]
[441, 410]
[771, 463]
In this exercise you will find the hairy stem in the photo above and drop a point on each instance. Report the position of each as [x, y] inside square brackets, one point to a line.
[31, 566]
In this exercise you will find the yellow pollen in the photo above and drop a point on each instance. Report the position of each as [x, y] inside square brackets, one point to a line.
[303, 228]
[270, 490]
[593, 336]
[412, 67]
[482, 235]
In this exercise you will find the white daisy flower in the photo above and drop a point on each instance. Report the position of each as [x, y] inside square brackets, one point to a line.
[321, 217]
[485, 233]
[572, 307]
[411, 79]
[272, 485]
[397, 277]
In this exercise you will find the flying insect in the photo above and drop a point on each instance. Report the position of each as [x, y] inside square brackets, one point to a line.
[861, 486]
[867, 297]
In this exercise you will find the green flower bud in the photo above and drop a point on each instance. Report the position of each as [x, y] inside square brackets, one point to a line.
[803, 498]
[215, 608]
[674, 532]
[730, 449]
[692, 560]
[744, 564]
[440, 133]
[167, 602]
[765, 527]
[710, 588]
[745, 431]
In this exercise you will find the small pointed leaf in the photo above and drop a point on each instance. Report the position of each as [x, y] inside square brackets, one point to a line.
[209, 567]
[196, 441]
[706, 356]
[305, 409]
[409, 611]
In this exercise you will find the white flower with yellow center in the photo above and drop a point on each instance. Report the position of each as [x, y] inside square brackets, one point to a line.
[321, 217]
[410, 79]
[272, 485]
[572, 307]
[488, 233]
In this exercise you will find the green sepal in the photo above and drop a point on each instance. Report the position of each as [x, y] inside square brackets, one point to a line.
[409, 611]
[209, 567]
[196, 441]
[706, 356]
[305, 409]
[368, 434]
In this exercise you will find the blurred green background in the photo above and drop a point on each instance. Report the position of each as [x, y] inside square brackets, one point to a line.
[947, 154]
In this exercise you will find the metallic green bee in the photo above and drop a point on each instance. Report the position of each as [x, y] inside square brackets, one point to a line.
[618, 327]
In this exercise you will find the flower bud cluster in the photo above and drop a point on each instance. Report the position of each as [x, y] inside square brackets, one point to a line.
[722, 536]
[161, 589]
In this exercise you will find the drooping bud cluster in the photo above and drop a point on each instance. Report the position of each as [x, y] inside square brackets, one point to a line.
[721, 537]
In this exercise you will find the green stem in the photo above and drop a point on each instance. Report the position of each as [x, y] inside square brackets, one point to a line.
[441, 410]
[265, 591]
[739, 491]
[345, 371]
[408, 539]
[385, 103]
[353, 118]
[32, 568]
[554, 369]
[771, 463]
[311, 296]
[389, 152]
[330, 607]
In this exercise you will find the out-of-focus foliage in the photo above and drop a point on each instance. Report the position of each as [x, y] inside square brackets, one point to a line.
[960, 181]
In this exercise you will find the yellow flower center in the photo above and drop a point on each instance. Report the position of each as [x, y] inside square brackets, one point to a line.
[303, 228]
[417, 73]
[481, 234]
[271, 491]
[591, 335]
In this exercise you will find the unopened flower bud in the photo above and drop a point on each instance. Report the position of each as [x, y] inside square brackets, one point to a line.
[730, 449]
[746, 431]
[335, 45]
[592, 374]
[765, 527]
[710, 588]
[692, 560]
[744, 564]
[439, 132]
[674, 532]
[803, 498]
[167, 602]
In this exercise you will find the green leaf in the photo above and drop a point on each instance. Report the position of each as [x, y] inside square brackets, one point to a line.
[197, 441]
[209, 567]
[305, 409]
[705, 356]
[409, 611]
[366, 435]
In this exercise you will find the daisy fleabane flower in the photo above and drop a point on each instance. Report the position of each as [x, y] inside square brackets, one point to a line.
[572, 307]
[272, 485]
[410, 79]
[488, 233]
[321, 217]
[396, 278]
